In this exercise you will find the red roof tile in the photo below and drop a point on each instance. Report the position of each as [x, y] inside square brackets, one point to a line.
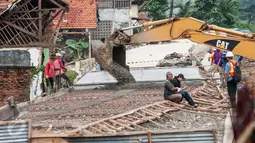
[4, 4]
[82, 14]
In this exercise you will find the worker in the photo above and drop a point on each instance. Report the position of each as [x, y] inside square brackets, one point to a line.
[170, 90]
[224, 59]
[173, 93]
[229, 71]
[210, 58]
[49, 74]
[176, 81]
[216, 65]
[60, 70]
[62, 58]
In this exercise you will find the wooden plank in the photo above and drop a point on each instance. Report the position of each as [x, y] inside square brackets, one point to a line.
[153, 113]
[84, 131]
[57, 4]
[110, 126]
[116, 122]
[56, 32]
[21, 29]
[40, 21]
[50, 20]
[106, 128]
[17, 42]
[149, 113]
[93, 129]
[37, 10]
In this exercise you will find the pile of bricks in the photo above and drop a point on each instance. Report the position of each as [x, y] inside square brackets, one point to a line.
[14, 81]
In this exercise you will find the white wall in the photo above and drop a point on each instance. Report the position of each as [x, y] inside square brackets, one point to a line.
[35, 89]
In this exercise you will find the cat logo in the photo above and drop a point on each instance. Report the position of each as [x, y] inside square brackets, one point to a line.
[222, 44]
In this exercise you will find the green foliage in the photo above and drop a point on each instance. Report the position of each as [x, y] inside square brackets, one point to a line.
[185, 10]
[76, 48]
[220, 12]
[34, 71]
[157, 9]
[72, 76]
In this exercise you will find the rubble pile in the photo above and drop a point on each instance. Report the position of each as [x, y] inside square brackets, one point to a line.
[175, 60]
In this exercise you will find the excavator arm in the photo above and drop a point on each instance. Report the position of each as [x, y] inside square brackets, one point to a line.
[193, 29]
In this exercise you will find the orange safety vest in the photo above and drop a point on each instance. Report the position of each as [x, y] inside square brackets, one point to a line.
[232, 68]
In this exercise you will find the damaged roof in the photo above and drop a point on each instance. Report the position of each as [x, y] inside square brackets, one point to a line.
[4, 4]
[81, 15]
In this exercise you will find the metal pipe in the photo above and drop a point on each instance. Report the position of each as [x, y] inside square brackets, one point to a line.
[214, 27]
[147, 24]
[132, 27]
[158, 22]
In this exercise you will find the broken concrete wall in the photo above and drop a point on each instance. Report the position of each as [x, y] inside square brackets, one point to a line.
[113, 59]
[121, 17]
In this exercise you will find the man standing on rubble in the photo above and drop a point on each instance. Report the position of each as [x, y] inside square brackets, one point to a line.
[216, 65]
[230, 81]
[175, 94]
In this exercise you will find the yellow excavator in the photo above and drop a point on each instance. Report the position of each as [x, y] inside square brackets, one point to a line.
[111, 55]
[193, 29]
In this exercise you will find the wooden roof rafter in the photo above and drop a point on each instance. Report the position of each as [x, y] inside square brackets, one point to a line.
[27, 22]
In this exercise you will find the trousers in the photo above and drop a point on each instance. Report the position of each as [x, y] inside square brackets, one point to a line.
[177, 98]
[58, 80]
[232, 87]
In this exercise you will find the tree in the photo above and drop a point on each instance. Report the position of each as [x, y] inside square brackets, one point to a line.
[171, 8]
[157, 9]
[249, 13]
[223, 13]
[185, 10]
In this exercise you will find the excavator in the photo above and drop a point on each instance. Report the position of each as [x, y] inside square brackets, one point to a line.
[111, 55]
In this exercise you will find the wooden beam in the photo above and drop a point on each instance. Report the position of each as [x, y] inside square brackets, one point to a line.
[40, 20]
[49, 21]
[37, 10]
[58, 28]
[19, 7]
[21, 29]
[19, 19]
[57, 4]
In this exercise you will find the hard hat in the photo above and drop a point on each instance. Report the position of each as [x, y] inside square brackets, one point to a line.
[58, 55]
[210, 50]
[229, 54]
[62, 52]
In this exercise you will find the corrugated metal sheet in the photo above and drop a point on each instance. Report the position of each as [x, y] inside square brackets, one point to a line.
[179, 137]
[14, 133]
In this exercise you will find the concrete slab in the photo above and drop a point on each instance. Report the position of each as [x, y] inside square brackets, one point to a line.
[150, 55]
[141, 75]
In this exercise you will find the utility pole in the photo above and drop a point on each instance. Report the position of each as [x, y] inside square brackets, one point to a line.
[171, 8]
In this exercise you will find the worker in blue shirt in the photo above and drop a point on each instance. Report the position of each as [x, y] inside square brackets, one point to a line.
[229, 71]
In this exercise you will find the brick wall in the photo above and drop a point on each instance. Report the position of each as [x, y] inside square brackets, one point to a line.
[14, 81]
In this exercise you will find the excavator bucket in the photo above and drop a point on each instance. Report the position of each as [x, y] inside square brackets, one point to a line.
[112, 58]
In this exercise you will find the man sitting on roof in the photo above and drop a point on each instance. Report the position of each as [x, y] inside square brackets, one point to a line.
[173, 90]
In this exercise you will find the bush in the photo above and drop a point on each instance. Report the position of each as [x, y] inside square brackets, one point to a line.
[72, 76]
